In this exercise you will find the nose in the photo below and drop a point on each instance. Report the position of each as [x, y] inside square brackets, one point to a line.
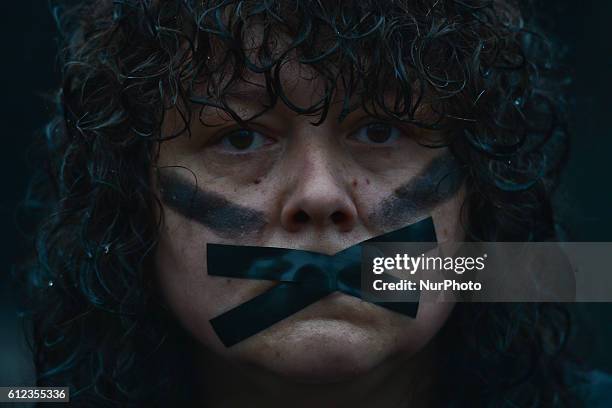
[320, 198]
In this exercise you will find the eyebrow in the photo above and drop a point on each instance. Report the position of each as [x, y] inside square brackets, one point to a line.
[249, 98]
[436, 183]
[247, 102]
[211, 210]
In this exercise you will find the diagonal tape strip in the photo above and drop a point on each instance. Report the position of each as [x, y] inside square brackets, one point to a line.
[304, 277]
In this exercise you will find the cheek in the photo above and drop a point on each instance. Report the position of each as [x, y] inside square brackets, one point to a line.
[193, 295]
[432, 315]
[448, 219]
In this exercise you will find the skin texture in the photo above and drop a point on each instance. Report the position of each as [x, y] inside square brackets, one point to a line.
[318, 188]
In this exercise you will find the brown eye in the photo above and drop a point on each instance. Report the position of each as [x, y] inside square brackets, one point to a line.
[243, 141]
[377, 133]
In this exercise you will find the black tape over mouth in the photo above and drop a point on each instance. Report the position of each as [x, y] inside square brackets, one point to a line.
[304, 277]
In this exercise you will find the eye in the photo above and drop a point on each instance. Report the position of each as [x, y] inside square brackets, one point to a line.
[377, 134]
[244, 141]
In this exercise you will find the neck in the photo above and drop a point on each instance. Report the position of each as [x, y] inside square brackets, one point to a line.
[397, 382]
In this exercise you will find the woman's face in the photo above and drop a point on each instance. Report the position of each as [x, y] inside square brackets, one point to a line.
[288, 183]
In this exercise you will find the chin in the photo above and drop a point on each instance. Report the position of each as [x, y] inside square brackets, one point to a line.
[320, 344]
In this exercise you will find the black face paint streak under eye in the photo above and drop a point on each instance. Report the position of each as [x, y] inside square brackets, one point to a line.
[435, 184]
[209, 209]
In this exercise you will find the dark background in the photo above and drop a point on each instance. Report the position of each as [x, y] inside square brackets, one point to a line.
[584, 28]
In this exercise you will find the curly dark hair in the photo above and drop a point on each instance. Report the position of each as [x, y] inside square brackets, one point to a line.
[482, 68]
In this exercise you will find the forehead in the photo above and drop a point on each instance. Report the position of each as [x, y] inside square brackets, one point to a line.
[304, 92]
[304, 61]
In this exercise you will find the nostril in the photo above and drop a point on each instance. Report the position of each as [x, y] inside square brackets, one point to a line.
[301, 217]
[338, 217]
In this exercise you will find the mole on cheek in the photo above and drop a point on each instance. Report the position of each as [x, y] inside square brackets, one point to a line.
[368, 181]
[257, 181]
[355, 182]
